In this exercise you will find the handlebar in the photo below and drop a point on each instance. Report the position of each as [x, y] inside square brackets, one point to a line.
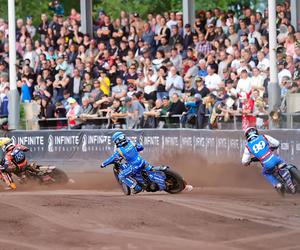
[254, 159]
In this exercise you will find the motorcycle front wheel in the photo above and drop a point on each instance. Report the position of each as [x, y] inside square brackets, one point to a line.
[126, 190]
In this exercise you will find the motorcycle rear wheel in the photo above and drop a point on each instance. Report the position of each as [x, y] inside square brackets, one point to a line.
[174, 181]
[295, 173]
[59, 176]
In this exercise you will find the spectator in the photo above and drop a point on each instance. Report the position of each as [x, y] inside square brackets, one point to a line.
[30, 28]
[73, 114]
[75, 85]
[120, 90]
[176, 37]
[188, 36]
[134, 113]
[149, 85]
[150, 117]
[148, 35]
[248, 119]
[132, 57]
[176, 59]
[161, 83]
[4, 107]
[257, 81]
[203, 46]
[212, 80]
[60, 84]
[177, 106]
[201, 88]
[244, 84]
[174, 83]
[192, 106]
[117, 114]
[47, 108]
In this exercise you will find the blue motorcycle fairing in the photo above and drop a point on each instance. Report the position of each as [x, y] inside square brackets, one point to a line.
[157, 177]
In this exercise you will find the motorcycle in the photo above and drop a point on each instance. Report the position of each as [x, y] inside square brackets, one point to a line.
[43, 175]
[288, 175]
[159, 178]
[6, 177]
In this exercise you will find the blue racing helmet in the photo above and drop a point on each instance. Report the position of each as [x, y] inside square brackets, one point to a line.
[119, 139]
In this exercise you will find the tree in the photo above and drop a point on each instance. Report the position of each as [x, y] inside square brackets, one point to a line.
[34, 8]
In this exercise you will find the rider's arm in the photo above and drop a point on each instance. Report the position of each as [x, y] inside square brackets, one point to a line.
[111, 159]
[22, 147]
[246, 157]
[139, 147]
[272, 141]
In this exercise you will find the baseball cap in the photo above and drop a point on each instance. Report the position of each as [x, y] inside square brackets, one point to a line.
[101, 12]
[165, 97]
[127, 99]
[197, 96]
[71, 100]
[198, 79]
[187, 25]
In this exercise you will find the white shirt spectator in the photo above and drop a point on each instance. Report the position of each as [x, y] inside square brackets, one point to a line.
[212, 81]
[150, 84]
[257, 82]
[171, 23]
[177, 61]
[174, 82]
[264, 64]
[236, 63]
[283, 73]
[244, 85]
[32, 56]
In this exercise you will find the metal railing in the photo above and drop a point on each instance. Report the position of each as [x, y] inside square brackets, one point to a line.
[288, 120]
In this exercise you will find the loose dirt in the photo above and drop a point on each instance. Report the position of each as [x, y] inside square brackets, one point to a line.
[231, 207]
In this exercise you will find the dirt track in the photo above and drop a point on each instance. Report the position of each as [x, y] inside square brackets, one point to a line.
[230, 208]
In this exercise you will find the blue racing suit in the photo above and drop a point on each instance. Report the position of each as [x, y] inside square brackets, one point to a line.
[130, 153]
[260, 147]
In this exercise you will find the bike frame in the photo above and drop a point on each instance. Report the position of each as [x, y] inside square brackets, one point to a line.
[144, 177]
[285, 177]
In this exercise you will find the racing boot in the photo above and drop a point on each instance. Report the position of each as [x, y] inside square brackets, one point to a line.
[189, 188]
[280, 189]
[137, 189]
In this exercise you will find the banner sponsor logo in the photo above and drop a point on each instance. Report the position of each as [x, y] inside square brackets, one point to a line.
[97, 144]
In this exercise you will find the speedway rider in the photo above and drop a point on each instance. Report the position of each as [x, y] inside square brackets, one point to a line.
[261, 147]
[129, 151]
[13, 159]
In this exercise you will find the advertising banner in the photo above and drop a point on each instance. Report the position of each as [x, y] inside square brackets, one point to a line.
[83, 147]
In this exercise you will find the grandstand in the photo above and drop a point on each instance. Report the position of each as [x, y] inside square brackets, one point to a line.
[152, 73]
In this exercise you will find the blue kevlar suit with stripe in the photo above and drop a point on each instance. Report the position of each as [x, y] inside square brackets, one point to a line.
[260, 148]
[130, 153]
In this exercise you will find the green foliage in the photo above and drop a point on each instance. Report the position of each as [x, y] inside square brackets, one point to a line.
[113, 7]
[22, 123]
[143, 7]
[35, 8]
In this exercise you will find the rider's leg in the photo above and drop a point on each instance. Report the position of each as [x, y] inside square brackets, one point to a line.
[267, 173]
[124, 176]
[268, 169]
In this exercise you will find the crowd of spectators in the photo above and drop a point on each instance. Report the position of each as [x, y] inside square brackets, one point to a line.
[152, 72]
